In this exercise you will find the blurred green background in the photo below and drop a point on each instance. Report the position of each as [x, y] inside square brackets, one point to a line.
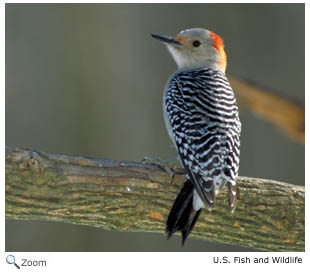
[87, 80]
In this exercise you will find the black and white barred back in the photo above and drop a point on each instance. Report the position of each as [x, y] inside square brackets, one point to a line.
[202, 119]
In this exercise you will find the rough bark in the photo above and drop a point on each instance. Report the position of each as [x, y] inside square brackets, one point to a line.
[130, 196]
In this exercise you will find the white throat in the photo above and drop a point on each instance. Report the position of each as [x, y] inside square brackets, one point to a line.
[186, 62]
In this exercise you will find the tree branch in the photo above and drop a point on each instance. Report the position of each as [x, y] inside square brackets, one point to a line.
[280, 111]
[129, 196]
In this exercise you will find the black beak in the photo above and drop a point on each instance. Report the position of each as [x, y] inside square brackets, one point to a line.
[166, 39]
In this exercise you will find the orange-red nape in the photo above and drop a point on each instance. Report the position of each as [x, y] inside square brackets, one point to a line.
[217, 40]
[219, 45]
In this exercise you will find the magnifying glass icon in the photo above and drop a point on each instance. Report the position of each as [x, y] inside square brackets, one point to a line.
[10, 259]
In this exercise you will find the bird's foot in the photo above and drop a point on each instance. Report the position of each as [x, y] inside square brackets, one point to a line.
[167, 165]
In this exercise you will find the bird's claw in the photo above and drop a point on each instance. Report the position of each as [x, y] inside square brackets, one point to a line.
[165, 165]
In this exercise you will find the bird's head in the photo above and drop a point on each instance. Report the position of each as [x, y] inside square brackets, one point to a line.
[195, 48]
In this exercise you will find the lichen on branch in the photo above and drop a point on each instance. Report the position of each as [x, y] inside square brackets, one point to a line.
[131, 196]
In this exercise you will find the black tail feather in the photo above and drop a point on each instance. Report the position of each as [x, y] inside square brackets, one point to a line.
[192, 220]
[182, 216]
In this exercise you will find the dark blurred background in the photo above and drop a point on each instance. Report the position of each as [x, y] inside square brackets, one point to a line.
[87, 80]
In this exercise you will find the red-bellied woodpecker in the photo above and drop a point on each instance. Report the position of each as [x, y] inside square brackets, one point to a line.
[201, 116]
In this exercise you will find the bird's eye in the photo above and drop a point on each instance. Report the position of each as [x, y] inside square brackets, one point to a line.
[196, 43]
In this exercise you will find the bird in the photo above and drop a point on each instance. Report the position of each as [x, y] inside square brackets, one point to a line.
[202, 119]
